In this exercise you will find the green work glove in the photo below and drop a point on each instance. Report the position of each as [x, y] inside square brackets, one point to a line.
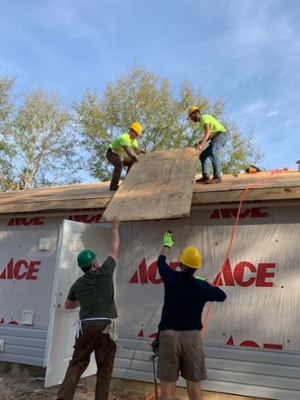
[168, 239]
[200, 278]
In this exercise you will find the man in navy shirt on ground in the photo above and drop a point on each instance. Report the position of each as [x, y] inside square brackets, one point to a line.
[180, 344]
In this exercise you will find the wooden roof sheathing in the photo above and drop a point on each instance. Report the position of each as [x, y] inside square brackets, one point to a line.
[159, 186]
[283, 187]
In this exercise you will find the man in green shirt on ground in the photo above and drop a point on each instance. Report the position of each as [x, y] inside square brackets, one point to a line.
[94, 293]
[119, 148]
[217, 135]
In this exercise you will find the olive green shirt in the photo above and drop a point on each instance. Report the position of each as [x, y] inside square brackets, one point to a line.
[95, 292]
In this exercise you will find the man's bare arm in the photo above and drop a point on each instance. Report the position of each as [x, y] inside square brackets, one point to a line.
[70, 305]
[115, 239]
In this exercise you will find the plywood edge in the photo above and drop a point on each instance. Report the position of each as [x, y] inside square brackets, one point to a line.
[55, 206]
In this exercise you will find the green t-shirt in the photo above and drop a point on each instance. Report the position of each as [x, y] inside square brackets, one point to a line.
[214, 125]
[95, 292]
[123, 140]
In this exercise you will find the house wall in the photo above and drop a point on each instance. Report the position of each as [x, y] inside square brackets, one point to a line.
[241, 371]
[251, 341]
[261, 276]
[23, 345]
[26, 273]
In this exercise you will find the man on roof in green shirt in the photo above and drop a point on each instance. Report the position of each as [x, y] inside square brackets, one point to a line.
[217, 135]
[123, 144]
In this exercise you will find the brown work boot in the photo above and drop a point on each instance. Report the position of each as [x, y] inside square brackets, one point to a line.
[203, 179]
[214, 180]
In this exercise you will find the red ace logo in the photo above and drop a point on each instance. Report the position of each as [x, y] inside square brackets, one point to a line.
[144, 275]
[226, 213]
[22, 269]
[87, 219]
[243, 274]
[251, 343]
[11, 322]
[246, 274]
[26, 221]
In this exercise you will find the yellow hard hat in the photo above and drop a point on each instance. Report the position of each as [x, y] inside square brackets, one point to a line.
[193, 109]
[137, 127]
[191, 257]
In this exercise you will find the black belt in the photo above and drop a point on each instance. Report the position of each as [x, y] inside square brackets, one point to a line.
[97, 322]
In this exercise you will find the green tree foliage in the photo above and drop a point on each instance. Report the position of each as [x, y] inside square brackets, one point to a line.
[39, 147]
[239, 152]
[7, 151]
[143, 96]
[46, 146]
[39, 142]
[139, 96]
[6, 100]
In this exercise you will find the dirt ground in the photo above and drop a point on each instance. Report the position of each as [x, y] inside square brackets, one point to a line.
[18, 387]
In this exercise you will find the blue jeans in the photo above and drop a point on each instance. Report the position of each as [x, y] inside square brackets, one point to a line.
[211, 153]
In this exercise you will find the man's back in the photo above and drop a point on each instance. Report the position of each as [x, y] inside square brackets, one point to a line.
[95, 292]
[185, 297]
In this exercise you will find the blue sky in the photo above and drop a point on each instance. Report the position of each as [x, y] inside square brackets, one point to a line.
[247, 51]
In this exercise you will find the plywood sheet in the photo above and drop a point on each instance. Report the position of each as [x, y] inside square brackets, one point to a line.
[159, 186]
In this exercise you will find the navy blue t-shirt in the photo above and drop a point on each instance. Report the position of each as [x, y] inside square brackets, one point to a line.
[185, 297]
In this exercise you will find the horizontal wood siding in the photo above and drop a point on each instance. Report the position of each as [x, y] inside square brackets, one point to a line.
[244, 371]
[24, 345]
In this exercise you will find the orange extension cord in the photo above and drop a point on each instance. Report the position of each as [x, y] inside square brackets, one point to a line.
[233, 234]
[230, 246]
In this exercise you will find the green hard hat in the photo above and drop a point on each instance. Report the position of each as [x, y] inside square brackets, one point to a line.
[85, 258]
